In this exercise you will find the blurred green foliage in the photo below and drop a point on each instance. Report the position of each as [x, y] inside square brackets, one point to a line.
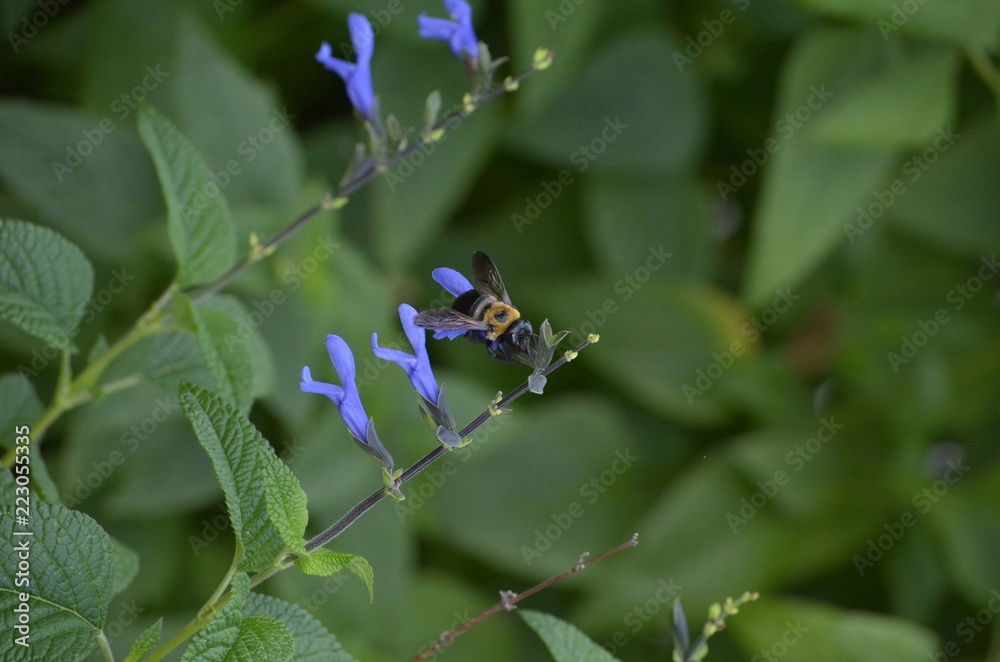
[782, 218]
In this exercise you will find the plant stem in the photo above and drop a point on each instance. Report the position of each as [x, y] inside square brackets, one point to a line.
[346, 188]
[509, 600]
[341, 525]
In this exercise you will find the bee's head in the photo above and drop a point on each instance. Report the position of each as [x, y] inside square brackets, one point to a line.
[521, 335]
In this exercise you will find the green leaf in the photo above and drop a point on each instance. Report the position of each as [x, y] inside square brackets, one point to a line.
[952, 201]
[45, 282]
[323, 562]
[415, 199]
[166, 360]
[126, 566]
[564, 641]
[226, 355]
[200, 227]
[818, 633]
[19, 405]
[962, 22]
[313, 642]
[233, 637]
[965, 531]
[903, 105]
[239, 122]
[286, 505]
[71, 581]
[673, 212]
[147, 641]
[810, 189]
[85, 174]
[247, 332]
[546, 24]
[628, 113]
[668, 333]
[240, 457]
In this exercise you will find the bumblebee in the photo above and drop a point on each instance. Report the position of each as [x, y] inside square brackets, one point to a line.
[486, 315]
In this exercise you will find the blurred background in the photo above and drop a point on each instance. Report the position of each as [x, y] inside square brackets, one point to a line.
[782, 218]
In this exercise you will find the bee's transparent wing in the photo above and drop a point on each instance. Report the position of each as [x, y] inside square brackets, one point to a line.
[486, 278]
[448, 319]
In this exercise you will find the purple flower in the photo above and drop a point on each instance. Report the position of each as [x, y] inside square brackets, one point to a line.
[357, 77]
[457, 31]
[348, 400]
[416, 365]
[456, 284]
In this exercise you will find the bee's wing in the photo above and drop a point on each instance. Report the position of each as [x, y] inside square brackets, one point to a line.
[448, 319]
[486, 278]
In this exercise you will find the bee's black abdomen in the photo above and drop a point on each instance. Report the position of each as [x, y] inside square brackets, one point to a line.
[467, 303]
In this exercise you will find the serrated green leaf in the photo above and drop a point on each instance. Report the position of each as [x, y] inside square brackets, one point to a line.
[566, 642]
[45, 281]
[313, 642]
[226, 355]
[263, 638]
[126, 566]
[323, 562]
[19, 405]
[200, 227]
[147, 641]
[233, 637]
[902, 106]
[71, 581]
[261, 358]
[239, 456]
[286, 505]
